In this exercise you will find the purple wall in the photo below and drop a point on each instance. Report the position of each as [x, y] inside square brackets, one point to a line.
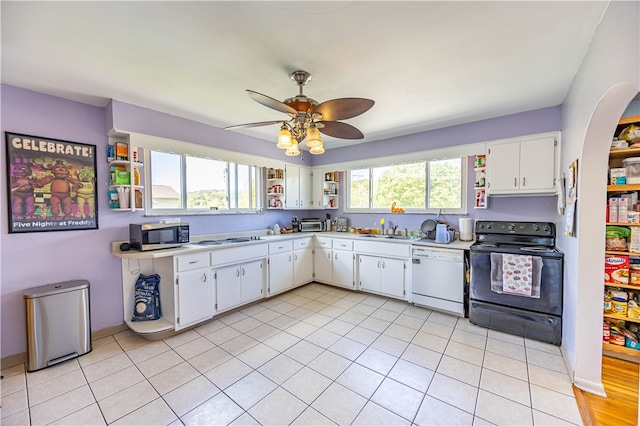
[30, 260]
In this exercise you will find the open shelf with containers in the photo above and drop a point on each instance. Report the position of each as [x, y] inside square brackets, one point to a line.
[275, 188]
[623, 243]
[330, 188]
[479, 187]
[125, 174]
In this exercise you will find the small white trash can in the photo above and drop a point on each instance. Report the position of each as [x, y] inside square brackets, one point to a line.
[58, 323]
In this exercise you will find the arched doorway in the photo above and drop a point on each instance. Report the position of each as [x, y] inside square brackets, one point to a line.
[592, 196]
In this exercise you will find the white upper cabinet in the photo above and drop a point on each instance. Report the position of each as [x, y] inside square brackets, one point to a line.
[297, 187]
[526, 166]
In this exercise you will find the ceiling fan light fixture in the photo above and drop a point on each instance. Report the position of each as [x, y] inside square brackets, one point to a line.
[284, 138]
[313, 136]
[293, 150]
[316, 150]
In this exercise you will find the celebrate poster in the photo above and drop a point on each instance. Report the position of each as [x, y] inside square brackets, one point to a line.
[51, 184]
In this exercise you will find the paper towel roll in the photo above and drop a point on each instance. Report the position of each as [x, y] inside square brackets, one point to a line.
[466, 229]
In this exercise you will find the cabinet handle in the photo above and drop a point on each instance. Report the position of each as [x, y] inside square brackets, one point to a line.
[378, 263]
[523, 181]
[243, 272]
[237, 272]
[204, 278]
[383, 266]
[329, 256]
[289, 258]
[336, 256]
[295, 256]
[515, 182]
[193, 262]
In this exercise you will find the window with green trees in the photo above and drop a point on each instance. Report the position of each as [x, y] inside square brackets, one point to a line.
[419, 187]
[182, 183]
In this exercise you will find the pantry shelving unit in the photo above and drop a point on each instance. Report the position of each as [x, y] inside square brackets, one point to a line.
[615, 160]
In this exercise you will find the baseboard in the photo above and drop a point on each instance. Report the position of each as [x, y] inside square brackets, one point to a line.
[591, 387]
[21, 358]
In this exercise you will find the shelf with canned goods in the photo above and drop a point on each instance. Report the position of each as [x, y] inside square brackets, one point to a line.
[621, 317]
[627, 286]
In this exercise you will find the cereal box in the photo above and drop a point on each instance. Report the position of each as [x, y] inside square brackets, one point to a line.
[616, 269]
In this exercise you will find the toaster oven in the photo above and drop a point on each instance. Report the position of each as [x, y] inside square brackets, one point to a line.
[311, 225]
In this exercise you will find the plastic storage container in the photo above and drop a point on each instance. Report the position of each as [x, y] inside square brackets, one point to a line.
[632, 165]
[58, 323]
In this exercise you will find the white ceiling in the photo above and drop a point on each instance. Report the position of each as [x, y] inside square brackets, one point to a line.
[427, 64]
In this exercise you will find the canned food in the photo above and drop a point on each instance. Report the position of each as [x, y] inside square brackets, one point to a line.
[606, 332]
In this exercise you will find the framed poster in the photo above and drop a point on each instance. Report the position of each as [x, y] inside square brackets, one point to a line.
[51, 184]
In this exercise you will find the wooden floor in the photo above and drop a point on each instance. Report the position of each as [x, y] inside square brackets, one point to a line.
[620, 408]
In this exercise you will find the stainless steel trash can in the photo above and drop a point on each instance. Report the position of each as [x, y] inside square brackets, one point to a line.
[58, 323]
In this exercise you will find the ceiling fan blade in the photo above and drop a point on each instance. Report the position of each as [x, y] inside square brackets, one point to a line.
[340, 130]
[258, 124]
[271, 103]
[343, 108]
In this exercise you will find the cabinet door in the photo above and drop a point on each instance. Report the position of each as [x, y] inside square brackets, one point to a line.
[302, 266]
[322, 265]
[304, 182]
[537, 164]
[195, 302]
[503, 167]
[317, 187]
[392, 277]
[292, 187]
[369, 273]
[228, 287]
[252, 280]
[343, 268]
[280, 272]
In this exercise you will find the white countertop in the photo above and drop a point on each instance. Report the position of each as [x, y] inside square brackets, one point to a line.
[194, 247]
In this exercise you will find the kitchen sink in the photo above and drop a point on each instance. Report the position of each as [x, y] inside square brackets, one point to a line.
[389, 237]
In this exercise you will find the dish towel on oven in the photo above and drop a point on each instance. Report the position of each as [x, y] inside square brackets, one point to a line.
[516, 274]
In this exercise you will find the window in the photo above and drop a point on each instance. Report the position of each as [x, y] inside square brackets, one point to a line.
[183, 184]
[425, 186]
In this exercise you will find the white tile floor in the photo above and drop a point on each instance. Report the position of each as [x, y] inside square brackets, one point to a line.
[317, 355]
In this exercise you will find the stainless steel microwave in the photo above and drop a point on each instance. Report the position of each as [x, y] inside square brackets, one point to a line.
[154, 236]
[311, 225]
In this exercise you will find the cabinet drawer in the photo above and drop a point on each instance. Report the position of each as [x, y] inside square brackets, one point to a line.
[323, 242]
[301, 243]
[238, 254]
[280, 247]
[192, 261]
[340, 244]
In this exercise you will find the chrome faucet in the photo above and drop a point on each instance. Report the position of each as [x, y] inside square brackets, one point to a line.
[394, 229]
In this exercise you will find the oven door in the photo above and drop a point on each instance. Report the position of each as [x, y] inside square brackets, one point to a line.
[550, 301]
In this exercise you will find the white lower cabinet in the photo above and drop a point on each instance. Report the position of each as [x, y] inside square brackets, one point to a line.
[280, 267]
[333, 261]
[323, 265]
[302, 261]
[238, 284]
[343, 268]
[194, 292]
[382, 275]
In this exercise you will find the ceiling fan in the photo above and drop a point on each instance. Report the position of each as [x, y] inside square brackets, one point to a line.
[308, 118]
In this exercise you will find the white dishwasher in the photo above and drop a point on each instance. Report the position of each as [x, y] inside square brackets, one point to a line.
[438, 279]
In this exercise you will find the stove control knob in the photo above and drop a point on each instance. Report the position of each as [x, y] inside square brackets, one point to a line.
[547, 228]
[489, 226]
[512, 227]
[481, 226]
[536, 227]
